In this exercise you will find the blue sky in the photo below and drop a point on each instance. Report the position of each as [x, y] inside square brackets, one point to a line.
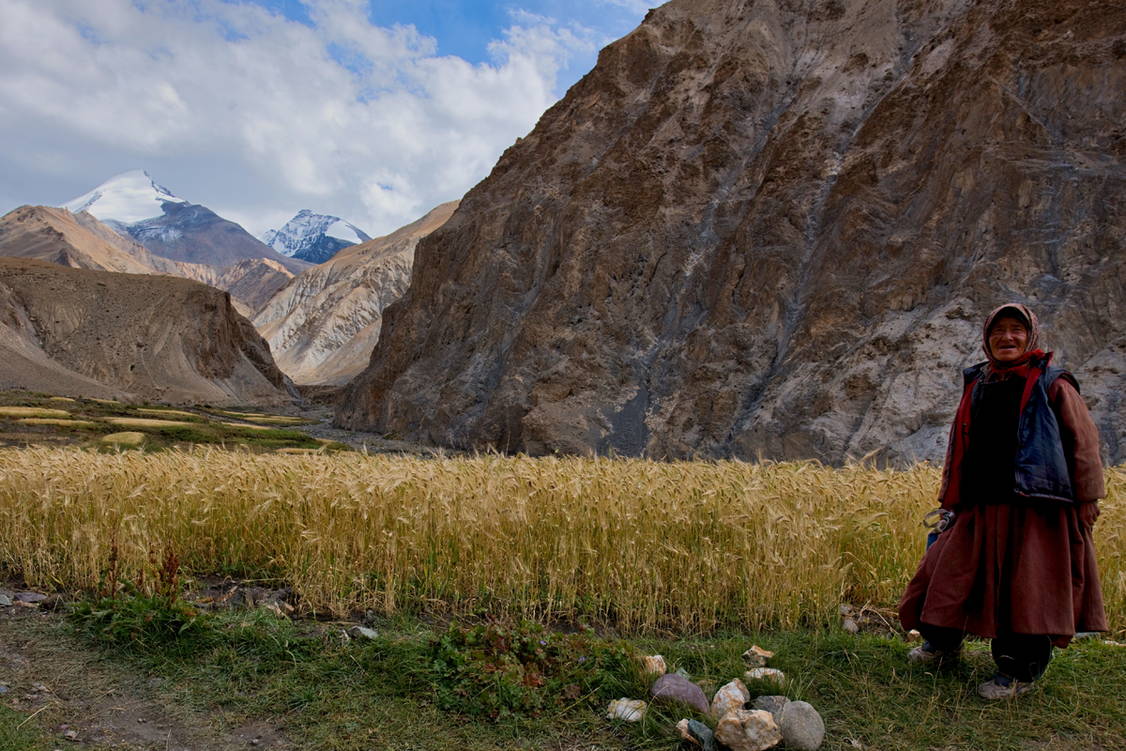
[373, 111]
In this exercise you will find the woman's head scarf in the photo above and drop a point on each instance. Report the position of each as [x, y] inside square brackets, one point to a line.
[1025, 316]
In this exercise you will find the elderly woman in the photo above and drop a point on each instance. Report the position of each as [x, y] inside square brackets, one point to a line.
[1016, 564]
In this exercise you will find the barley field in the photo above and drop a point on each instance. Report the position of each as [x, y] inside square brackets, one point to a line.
[648, 547]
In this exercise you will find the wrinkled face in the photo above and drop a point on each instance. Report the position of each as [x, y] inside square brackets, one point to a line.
[1008, 339]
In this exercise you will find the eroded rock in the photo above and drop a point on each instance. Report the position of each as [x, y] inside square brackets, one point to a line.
[730, 696]
[748, 730]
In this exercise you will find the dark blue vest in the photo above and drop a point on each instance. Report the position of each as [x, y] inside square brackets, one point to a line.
[1040, 469]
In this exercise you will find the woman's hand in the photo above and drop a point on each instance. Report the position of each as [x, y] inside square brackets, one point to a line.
[1088, 512]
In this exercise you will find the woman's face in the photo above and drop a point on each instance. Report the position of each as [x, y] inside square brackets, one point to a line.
[1008, 339]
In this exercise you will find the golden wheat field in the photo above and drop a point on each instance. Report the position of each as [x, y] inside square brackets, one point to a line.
[644, 545]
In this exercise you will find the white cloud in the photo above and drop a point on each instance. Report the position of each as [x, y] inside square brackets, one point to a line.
[258, 116]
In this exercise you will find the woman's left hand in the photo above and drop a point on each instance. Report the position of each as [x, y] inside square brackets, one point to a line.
[1088, 513]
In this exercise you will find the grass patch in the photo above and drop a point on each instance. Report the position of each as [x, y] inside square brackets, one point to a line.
[9, 412]
[127, 438]
[17, 734]
[491, 685]
[146, 422]
[241, 426]
[265, 419]
[468, 687]
[177, 412]
[86, 421]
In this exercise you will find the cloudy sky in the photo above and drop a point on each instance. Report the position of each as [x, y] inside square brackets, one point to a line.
[373, 110]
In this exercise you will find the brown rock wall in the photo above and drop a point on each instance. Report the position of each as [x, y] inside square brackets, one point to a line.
[757, 230]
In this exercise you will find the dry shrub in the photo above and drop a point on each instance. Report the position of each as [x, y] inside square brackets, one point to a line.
[644, 545]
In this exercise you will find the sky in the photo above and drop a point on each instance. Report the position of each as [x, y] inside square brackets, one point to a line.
[371, 110]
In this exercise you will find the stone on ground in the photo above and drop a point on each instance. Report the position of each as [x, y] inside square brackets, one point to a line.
[673, 688]
[630, 710]
[730, 696]
[802, 727]
[772, 704]
[756, 656]
[697, 733]
[654, 665]
[748, 730]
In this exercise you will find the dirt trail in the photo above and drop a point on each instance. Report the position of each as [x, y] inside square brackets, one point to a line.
[84, 701]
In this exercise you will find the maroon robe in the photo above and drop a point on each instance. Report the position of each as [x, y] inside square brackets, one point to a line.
[1017, 567]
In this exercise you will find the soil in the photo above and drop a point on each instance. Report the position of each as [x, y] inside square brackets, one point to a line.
[87, 702]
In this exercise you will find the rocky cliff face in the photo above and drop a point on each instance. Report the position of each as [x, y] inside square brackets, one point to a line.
[772, 229]
[160, 338]
[324, 324]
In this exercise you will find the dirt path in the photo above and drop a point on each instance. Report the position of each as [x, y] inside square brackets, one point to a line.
[83, 701]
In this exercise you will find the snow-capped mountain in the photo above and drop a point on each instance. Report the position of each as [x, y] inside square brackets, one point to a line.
[136, 206]
[124, 199]
[314, 237]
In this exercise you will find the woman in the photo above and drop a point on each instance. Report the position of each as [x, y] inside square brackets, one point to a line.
[1022, 479]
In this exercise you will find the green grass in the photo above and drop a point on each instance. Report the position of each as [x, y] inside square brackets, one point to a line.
[16, 734]
[484, 686]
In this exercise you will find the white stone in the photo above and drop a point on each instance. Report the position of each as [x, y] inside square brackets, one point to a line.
[654, 665]
[729, 697]
[765, 674]
[748, 730]
[630, 710]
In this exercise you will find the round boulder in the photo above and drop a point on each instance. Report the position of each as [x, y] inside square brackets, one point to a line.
[802, 727]
[672, 689]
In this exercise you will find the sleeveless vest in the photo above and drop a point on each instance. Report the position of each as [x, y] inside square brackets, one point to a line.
[1040, 467]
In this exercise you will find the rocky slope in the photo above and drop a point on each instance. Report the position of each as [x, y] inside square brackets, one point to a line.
[771, 229]
[104, 334]
[324, 324]
[81, 241]
[78, 241]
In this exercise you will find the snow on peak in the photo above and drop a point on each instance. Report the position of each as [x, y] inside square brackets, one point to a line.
[313, 237]
[127, 198]
[342, 230]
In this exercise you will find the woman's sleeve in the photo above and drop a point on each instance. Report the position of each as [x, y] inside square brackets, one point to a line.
[1080, 441]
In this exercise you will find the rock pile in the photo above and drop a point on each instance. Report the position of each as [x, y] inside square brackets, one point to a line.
[740, 725]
